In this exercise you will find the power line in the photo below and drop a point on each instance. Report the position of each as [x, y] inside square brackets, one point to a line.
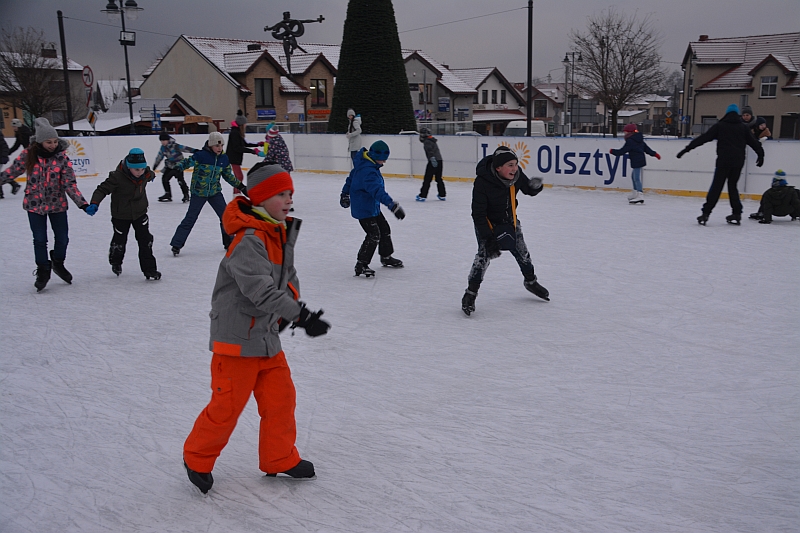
[117, 27]
[462, 20]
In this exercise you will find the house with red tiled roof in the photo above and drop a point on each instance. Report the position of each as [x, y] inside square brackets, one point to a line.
[496, 101]
[760, 71]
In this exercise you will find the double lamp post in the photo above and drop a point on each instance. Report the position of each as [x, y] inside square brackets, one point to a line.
[128, 9]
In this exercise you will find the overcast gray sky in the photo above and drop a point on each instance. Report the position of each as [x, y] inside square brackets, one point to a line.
[498, 40]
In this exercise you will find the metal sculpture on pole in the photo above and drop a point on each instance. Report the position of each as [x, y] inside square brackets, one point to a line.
[288, 30]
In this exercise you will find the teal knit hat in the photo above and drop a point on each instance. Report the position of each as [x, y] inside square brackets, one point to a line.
[732, 107]
[379, 151]
[135, 158]
[779, 180]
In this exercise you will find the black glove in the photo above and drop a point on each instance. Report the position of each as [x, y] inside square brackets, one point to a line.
[684, 151]
[344, 200]
[311, 322]
[765, 221]
[398, 211]
[760, 161]
[243, 189]
[492, 248]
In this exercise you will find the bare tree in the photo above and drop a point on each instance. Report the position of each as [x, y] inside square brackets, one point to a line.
[28, 79]
[620, 59]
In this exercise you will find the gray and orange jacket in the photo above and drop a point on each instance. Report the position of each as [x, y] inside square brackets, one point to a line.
[256, 285]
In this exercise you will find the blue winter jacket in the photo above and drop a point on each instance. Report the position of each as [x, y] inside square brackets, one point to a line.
[364, 184]
[635, 147]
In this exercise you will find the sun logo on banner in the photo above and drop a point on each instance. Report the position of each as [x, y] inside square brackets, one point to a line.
[521, 149]
[75, 149]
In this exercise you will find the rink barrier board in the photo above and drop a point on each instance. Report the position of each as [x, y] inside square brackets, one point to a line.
[582, 162]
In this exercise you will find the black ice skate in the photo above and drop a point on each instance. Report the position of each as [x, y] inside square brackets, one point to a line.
[468, 302]
[42, 274]
[59, 270]
[391, 262]
[303, 470]
[735, 219]
[533, 286]
[757, 216]
[702, 219]
[202, 481]
[175, 251]
[363, 268]
[152, 274]
[15, 187]
[165, 198]
[116, 269]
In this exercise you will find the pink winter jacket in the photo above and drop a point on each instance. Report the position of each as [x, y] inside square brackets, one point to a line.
[51, 179]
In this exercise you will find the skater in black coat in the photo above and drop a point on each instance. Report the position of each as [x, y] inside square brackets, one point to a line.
[732, 136]
[22, 133]
[494, 215]
[780, 200]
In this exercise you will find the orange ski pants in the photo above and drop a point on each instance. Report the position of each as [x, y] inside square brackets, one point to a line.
[233, 379]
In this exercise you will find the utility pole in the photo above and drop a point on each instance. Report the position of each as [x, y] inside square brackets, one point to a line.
[66, 71]
[530, 66]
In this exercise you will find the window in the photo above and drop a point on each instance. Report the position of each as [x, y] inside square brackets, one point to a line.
[56, 87]
[485, 96]
[769, 86]
[475, 98]
[264, 92]
[789, 127]
[503, 96]
[494, 96]
[425, 93]
[319, 93]
[540, 108]
[743, 100]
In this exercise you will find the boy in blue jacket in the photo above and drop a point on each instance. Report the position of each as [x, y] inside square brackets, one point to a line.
[363, 193]
[635, 147]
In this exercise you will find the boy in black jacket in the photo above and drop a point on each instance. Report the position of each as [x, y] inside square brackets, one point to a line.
[780, 200]
[494, 214]
[126, 185]
[731, 135]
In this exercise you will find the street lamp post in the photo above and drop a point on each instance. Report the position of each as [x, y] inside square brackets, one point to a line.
[570, 74]
[129, 9]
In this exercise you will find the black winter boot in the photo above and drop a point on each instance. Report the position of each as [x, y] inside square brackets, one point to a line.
[303, 470]
[59, 270]
[201, 480]
[533, 286]
[42, 274]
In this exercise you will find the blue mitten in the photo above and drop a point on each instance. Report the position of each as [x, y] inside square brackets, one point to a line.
[91, 209]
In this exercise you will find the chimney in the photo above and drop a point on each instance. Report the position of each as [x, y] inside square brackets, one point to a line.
[703, 38]
[49, 51]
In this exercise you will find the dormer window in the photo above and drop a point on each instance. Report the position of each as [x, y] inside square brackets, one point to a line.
[769, 86]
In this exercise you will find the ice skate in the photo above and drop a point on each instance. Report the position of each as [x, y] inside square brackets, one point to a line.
[757, 216]
[533, 286]
[42, 274]
[420, 198]
[15, 187]
[735, 219]
[202, 481]
[468, 302]
[632, 195]
[303, 470]
[185, 197]
[390, 261]
[152, 274]
[59, 269]
[363, 268]
[702, 219]
[165, 198]
[116, 269]
[637, 199]
[442, 198]
[175, 251]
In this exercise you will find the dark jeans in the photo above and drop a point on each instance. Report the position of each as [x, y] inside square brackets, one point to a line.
[196, 203]
[58, 222]
[721, 175]
[481, 262]
[141, 229]
[379, 235]
[170, 173]
[430, 173]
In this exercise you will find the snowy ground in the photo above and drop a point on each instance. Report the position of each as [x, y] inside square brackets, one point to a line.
[657, 391]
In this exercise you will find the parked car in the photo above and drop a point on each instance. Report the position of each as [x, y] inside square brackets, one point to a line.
[468, 134]
[518, 128]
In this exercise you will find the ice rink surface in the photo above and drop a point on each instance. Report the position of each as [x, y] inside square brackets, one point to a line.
[659, 390]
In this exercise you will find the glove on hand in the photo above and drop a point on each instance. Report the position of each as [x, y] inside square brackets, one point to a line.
[344, 200]
[492, 248]
[91, 209]
[760, 161]
[658, 156]
[611, 151]
[311, 322]
[684, 151]
[765, 221]
[434, 162]
[243, 189]
[398, 211]
[537, 183]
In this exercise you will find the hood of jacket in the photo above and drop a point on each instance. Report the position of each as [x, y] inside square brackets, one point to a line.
[239, 215]
[62, 147]
[362, 160]
[485, 171]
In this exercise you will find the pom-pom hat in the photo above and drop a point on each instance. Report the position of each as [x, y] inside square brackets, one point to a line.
[265, 180]
[216, 138]
[135, 158]
[779, 179]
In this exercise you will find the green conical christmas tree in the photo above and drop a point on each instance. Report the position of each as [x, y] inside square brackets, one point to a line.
[371, 77]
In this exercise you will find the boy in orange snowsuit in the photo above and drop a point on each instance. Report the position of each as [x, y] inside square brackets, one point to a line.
[255, 297]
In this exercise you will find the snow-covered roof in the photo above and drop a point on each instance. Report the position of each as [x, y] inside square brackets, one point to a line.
[743, 54]
[447, 78]
[288, 86]
[473, 77]
[112, 90]
[633, 113]
[104, 122]
[496, 116]
[50, 63]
